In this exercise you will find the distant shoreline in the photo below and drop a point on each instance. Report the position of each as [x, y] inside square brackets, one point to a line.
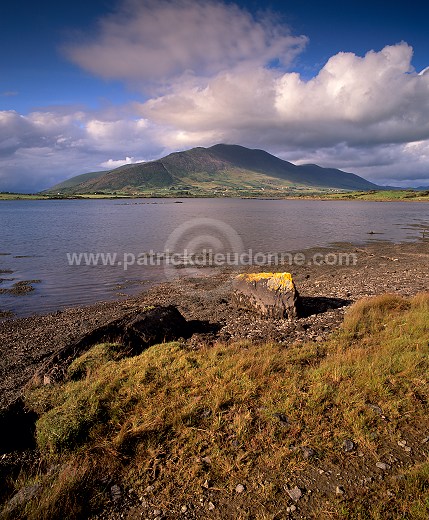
[375, 196]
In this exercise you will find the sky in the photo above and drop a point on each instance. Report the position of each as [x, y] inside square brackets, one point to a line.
[87, 86]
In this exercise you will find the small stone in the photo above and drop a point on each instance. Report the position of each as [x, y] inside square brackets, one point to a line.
[321, 471]
[376, 409]
[156, 512]
[291, 509]
[407, 449]
[183, 509]
[206, 484]
[425, 440]
[149, 489]
[282, 418]
[402, 444]
[294, 493]
[24, 495]
[211, 506]
[348, 445]
[383, 466]
[307, 452]
[339, 490]
[239, 488]
[115, 492]
[206, 460]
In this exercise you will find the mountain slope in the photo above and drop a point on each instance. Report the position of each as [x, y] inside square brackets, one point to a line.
[74, 181]
[206, 170]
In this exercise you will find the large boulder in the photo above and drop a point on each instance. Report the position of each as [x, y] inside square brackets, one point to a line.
[271, 294]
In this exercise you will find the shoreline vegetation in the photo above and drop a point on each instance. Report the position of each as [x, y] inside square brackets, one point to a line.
[253, 418]
[311, 194]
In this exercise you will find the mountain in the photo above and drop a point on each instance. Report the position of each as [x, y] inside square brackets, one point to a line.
[229, 169]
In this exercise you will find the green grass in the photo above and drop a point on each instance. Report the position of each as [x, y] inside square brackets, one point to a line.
[21, 196]
[173, 417]
[384, 195]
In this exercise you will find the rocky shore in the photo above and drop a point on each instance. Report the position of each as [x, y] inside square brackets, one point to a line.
[327, 290]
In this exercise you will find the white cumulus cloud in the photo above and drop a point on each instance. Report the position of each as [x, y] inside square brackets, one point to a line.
[115, 163]
[155, 40]
[377, 98]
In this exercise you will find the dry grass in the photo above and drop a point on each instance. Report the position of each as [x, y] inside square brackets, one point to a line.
[175, 418]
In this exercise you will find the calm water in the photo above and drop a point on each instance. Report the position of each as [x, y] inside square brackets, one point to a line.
[35, 237]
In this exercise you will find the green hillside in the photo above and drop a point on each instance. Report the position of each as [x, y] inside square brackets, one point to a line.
[74, 181]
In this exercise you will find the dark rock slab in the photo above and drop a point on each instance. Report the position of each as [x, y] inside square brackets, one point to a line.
[135, 332]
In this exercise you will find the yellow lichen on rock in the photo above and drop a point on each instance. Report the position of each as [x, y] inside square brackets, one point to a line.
[275, 281]
[280, 281]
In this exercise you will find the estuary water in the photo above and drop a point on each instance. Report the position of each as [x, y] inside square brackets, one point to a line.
[121, 245]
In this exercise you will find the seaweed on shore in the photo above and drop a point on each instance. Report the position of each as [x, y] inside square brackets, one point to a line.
[20, 288]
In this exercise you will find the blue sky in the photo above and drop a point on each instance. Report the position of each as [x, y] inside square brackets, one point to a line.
[92, 85]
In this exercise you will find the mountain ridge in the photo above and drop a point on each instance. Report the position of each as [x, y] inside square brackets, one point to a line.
[222, 167]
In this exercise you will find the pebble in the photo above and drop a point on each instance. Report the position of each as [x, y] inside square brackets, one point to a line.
[291, 509]
[383, 466]
[239, 488]
[307, 452]
[183, 509]
[115, 492]
[339, 490]
[24, 495]
[282, 418]
[294, 493]
[376, 409]
[211, 506]
[348, 445]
